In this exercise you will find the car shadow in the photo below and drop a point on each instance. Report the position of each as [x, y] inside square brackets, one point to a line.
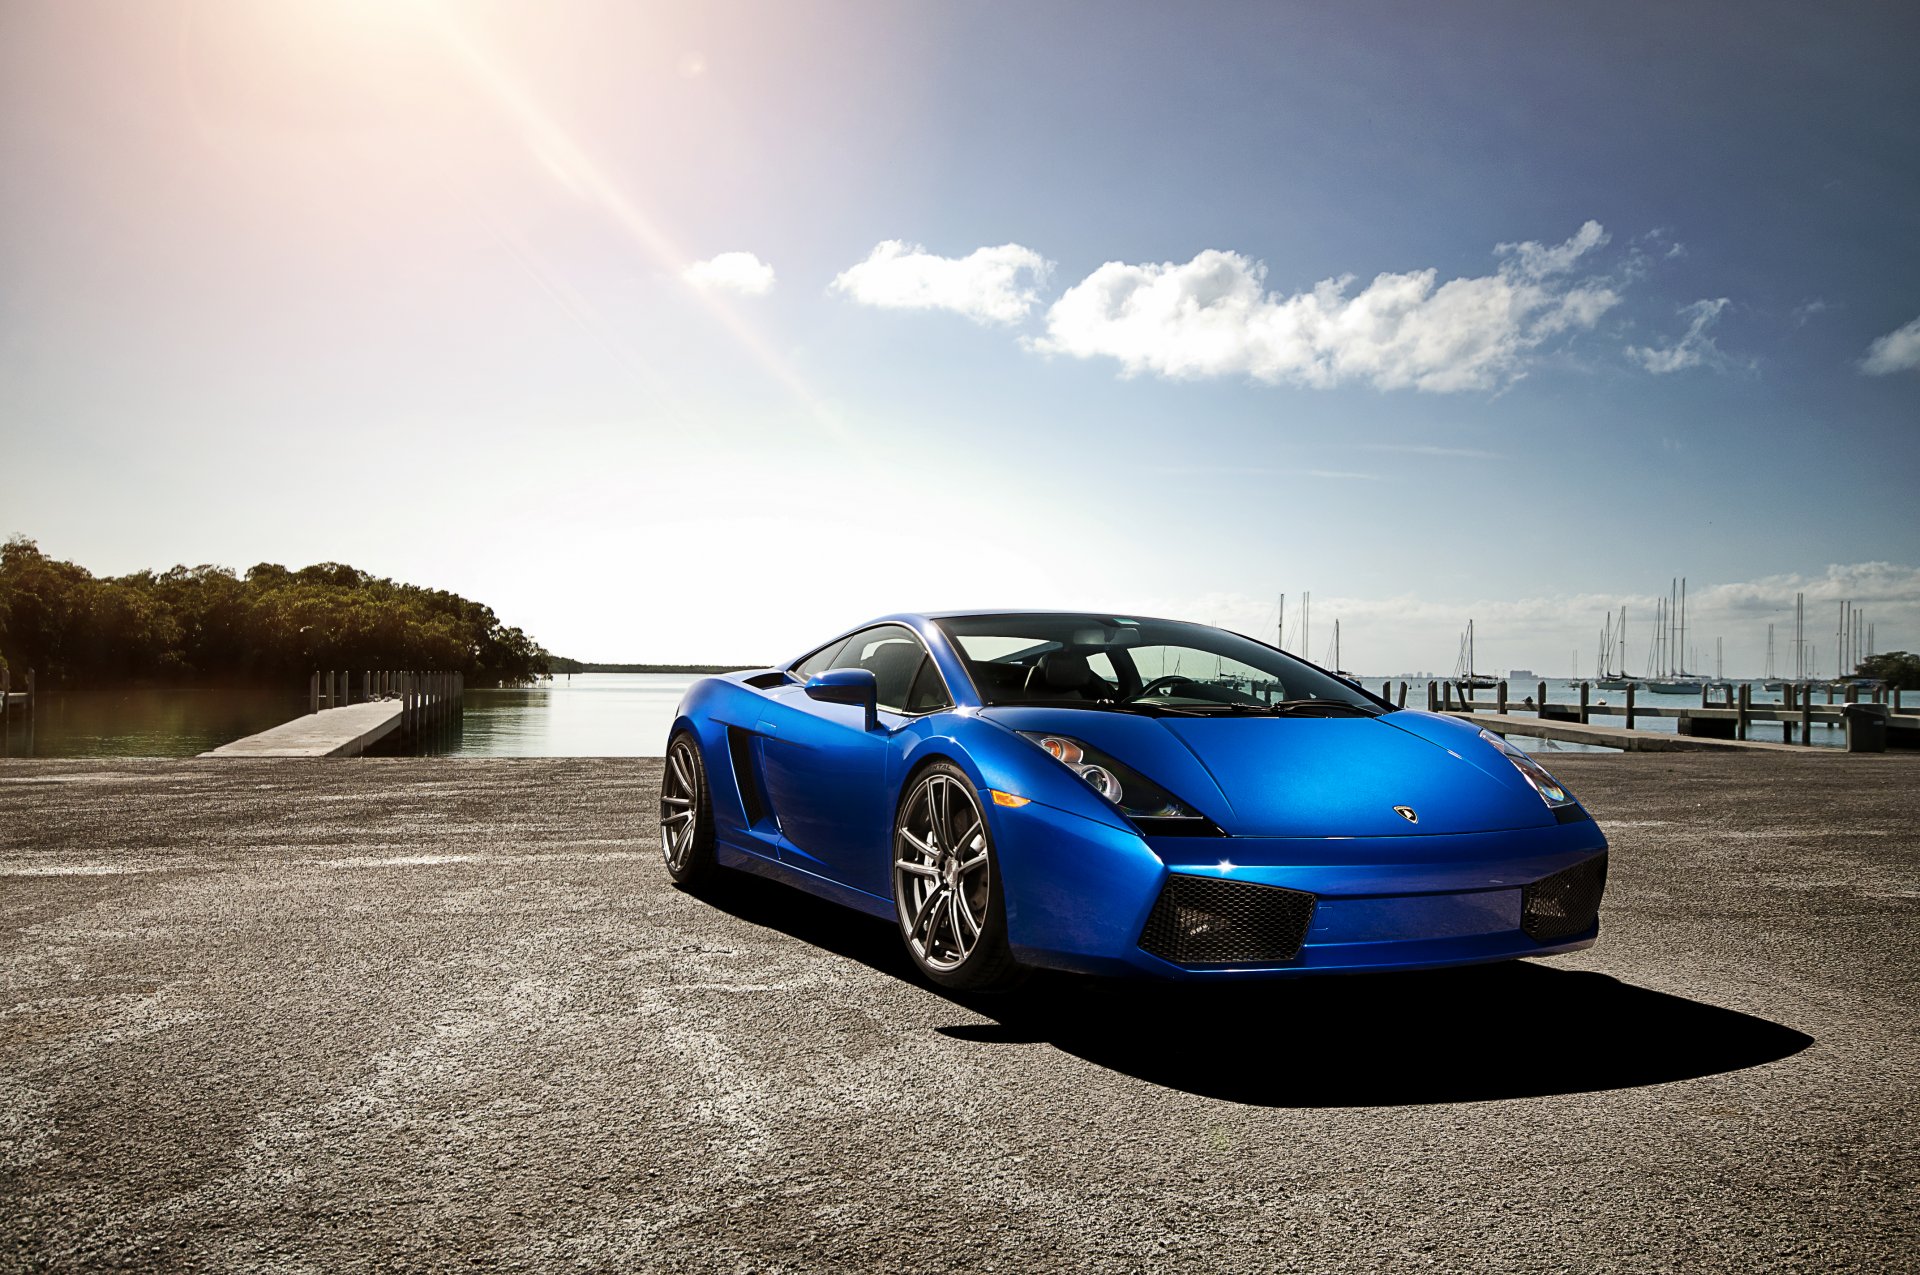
[1512, 1030]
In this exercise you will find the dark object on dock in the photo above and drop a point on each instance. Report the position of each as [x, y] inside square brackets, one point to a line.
[1866, 728]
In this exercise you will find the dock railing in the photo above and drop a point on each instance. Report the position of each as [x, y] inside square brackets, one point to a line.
[1726, 710]
[429, 699]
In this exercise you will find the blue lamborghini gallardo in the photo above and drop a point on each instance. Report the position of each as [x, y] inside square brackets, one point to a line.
[1120, 795]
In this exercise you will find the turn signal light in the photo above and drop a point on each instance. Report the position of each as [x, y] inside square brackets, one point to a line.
[1007, 798]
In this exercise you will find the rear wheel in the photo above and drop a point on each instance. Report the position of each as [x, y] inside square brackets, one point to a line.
[686, 813]
[947, 893]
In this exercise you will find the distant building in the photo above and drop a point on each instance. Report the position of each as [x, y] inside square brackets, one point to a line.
[1522, 675]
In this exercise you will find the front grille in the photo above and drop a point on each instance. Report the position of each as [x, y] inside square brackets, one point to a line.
[1207, 921]
[1566, 903]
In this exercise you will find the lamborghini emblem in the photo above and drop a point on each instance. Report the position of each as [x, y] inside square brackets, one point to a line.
[1408, 813]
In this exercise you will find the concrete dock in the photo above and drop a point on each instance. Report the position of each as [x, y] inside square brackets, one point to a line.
[347, 731]
[1632, 741]
[420, 1013]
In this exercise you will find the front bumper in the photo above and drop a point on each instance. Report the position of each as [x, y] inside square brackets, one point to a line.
[1080, 894]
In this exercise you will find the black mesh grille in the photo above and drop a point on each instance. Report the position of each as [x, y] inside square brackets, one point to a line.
[1207, 921]
[1565, 903]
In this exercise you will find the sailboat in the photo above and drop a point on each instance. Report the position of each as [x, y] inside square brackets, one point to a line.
[1335, 666]
[1767, 680]
[1613, 648]
[1675, 679]
[1463, 674]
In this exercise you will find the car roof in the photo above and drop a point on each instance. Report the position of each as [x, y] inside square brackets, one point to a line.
[989, 612]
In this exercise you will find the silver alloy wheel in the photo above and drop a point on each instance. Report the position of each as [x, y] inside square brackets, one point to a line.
[679, 804]
[941, 880]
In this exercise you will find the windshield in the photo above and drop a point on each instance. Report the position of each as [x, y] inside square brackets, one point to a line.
[1121, 664]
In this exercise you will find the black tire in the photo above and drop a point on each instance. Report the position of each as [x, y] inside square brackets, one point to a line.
[945, 873]
[686, 814]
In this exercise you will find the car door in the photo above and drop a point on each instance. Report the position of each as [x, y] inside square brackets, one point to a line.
[830, 780]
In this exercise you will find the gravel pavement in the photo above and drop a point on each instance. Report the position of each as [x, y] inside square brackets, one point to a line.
[436, 1014]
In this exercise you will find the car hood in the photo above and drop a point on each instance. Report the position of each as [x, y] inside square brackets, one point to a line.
[1312, 776]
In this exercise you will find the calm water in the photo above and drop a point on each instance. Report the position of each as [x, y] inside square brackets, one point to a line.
[587, 715]
[153, 722]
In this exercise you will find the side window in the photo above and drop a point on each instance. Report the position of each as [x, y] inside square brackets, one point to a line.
[929, 693]
[893, 655]
[820, 661]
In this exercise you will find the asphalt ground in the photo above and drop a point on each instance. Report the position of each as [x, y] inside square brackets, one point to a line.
[439, 1014]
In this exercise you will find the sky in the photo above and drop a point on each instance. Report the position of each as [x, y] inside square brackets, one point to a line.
[688, 333]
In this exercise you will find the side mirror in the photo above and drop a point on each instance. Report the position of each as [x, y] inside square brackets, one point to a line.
[848, 686]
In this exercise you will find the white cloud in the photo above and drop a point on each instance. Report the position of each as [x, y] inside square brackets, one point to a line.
[988, 285]
[1213, 316]
[1537, 261]
[1693, 349]
[1807, 310]
[740, 272]
[1897, 351]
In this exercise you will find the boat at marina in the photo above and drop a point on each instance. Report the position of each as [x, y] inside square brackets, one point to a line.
[1463, 673]
[1612, 674]
[1666, 660]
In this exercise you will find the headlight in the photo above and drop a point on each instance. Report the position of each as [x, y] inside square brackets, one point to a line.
[1136, 796]
[1550, 789]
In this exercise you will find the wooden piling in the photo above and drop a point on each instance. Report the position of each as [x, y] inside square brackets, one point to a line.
[1745, 698]
[1630, 705]
[1503, 697]
[1540, 704]
[1585, 689]
[1806, 716]
[1403, 695]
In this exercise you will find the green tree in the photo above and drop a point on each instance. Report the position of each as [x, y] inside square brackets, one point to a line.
[270, 624]
[1895, 668]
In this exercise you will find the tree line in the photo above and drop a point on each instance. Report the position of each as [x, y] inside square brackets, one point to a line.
[270, 624]
[1895, 668]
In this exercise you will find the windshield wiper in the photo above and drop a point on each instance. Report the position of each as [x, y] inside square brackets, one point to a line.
[1289, 705]
[1100, 705]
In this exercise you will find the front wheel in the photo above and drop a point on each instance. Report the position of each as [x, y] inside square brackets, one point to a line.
[686, 814]
[946, 885]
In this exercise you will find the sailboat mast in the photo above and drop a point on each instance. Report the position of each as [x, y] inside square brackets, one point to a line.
[1683, 626]
[1280, 625]
[1623, 639]
[1799, 637]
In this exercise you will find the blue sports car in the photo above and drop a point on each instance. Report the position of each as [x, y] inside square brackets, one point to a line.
[1120, 795]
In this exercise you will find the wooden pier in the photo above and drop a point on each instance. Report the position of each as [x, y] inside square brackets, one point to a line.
[1726, 721]
[343, 723]
[14, 702]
